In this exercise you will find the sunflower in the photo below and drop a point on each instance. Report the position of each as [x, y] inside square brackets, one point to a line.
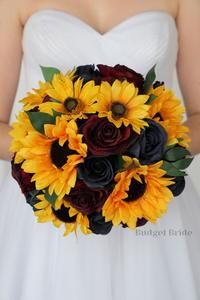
[121, 104]
[81, 220]
[39, 96]
[140, 192]
[33, 100]
[167, 109]
[54, 156]
[44, 211]
[177, 133]
[20, 129]
[75, 99]
[166, 106]
[66, 215]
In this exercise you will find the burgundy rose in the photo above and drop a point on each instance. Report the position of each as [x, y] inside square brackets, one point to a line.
[104, 138]
[23, 178]
[121, 72]
[87, 200]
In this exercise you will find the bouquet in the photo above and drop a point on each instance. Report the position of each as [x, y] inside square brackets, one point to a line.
[100, 146]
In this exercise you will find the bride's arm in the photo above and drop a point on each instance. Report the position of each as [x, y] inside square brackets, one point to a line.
[10, 61]
[188, 65]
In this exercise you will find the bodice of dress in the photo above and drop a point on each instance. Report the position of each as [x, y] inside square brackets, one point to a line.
[58, 39]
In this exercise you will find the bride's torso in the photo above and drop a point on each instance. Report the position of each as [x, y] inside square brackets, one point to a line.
[56, 37]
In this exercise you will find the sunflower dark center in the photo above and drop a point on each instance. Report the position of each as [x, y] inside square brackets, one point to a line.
[158, 115]
[118, 109]
[136, 189]
[59, 154]
[70, 104]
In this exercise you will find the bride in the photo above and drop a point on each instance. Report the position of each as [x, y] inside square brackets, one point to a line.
[156, 261]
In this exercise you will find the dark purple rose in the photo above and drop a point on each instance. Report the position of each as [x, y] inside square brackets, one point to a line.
[88, 72]
[150, 144]
[179, 185]
[87, 200]
[98, 224]
[97, 172]
[104, 138]
[121, 72]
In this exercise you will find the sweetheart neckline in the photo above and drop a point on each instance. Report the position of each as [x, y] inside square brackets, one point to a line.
[92, 29]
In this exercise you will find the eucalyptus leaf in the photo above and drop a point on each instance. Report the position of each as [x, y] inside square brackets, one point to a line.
[172, 170]
[183, 163]
[49, 72]
[149, 79]
[39, 119]
[176, 153]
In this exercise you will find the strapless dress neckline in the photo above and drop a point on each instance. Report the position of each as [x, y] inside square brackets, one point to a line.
[133, 18]
[57, 38]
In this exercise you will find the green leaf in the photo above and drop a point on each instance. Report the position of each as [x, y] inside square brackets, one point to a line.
[151, 98]
[32, 199]
[34, 193]
[168, 147]
[50, 198]
[53, 100]
[183, 163]
[49, 72]
[149, 79]
[56, 113]
[176, 153]
[172, 170]
[39, 119]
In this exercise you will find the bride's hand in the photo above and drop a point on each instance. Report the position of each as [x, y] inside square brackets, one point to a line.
[188, 65]
[10, 61]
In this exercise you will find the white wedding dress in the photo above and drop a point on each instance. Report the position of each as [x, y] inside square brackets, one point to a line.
[152, 263]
